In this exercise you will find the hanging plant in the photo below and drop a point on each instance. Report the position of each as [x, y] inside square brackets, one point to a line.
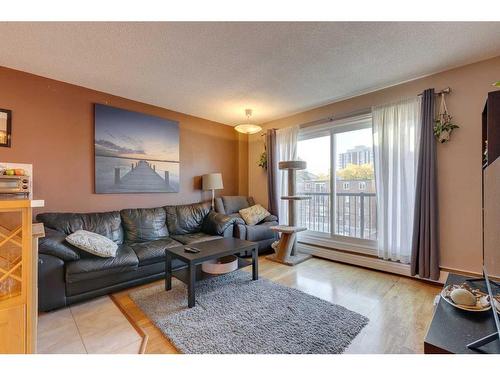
[263, 160]
[443, 125]
[263, 156]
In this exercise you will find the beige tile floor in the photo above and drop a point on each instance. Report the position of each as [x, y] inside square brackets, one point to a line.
[94, 327]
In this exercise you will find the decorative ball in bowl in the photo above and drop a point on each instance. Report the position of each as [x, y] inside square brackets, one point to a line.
[221, 265]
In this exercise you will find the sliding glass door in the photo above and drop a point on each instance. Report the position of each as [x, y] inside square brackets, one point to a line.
[315, 214]
[342, 210]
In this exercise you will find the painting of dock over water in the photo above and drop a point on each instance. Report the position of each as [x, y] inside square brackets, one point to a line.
[134, 152]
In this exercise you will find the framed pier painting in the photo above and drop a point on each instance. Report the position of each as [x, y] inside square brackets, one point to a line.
[135, 152]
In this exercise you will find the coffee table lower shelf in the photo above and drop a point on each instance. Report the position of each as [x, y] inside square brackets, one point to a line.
[182, 274]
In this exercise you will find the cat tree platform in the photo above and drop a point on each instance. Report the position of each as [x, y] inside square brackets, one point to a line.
[283, 252]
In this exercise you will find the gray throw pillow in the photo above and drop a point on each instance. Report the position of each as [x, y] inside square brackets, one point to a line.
[253, 215]
[93, 243]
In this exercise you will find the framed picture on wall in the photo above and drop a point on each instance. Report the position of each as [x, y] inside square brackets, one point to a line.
[135, 152]
[5, 127]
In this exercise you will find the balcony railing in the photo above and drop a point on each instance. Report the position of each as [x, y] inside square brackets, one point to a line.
[355, 214]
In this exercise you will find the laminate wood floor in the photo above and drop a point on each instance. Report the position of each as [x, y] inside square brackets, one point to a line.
[399, 308]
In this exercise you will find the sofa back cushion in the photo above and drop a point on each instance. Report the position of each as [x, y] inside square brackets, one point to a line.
[233, 204]
[186, 218]
[54, 243]
[107, 224]
[144, 224]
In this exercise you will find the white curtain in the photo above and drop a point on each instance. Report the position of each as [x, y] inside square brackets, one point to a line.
[286, 147]
[396, 135]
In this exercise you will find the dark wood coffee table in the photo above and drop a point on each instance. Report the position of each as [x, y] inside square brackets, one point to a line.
[209, 250]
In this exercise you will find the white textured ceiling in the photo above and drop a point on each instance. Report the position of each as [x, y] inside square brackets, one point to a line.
[216, 70]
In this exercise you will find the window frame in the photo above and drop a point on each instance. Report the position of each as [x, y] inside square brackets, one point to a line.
[332, 240]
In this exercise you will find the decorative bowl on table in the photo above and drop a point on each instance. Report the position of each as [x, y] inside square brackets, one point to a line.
[496, 302]
[466, 298]
[221, 265]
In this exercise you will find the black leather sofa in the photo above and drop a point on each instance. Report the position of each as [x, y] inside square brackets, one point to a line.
[260, 233]
[67, 275]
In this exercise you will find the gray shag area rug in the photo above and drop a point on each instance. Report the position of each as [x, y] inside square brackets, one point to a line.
[234, 314]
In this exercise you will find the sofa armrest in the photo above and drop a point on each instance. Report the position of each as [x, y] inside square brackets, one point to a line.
[238, 220]
[51, 284]
[240, 231]
[228, 232]
[269, 218]
[54, 243]
[216, 223]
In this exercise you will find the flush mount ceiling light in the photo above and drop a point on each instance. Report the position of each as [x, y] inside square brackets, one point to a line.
[248, 128]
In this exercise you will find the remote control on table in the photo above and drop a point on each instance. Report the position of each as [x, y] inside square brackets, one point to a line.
[191, 250]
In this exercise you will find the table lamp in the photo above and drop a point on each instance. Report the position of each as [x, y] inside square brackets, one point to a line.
[212, 181]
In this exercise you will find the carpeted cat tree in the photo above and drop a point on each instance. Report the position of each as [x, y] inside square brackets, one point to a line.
[286, 248]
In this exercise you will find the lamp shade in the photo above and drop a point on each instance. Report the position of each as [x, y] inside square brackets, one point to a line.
[248, 128]
[212, 181]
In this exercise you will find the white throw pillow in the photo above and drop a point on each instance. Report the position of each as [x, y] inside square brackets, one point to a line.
[93, 243]
[254, 214]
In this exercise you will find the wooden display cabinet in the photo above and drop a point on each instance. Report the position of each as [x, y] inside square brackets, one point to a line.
[18, 275]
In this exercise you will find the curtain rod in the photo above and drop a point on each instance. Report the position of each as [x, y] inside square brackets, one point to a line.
[363, 111]
[331, 118]
[442, 92]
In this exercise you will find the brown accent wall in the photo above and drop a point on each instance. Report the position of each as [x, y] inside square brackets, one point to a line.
[53, 128]
[459, 161]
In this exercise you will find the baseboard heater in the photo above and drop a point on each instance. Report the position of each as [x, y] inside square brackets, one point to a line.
[363, 261]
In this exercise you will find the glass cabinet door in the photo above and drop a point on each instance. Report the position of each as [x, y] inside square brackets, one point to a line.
[11, 255]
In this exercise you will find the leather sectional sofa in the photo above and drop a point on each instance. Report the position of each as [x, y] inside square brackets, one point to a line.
[67, 275]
